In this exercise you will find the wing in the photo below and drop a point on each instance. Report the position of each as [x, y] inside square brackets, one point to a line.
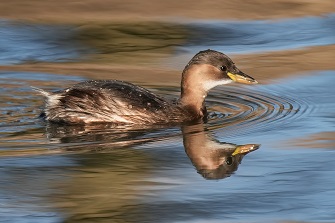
[106, 101]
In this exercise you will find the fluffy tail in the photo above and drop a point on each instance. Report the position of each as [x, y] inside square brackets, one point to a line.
[51, 99]
[41, 91]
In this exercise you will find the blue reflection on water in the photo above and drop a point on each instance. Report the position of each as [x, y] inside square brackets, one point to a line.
[20, 42]
[265, 35]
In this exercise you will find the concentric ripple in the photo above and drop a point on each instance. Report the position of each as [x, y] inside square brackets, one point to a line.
[236, 109]
[233, 111]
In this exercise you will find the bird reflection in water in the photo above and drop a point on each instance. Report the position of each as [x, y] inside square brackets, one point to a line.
[211, 158]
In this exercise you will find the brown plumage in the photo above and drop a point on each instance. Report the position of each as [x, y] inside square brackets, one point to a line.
[124, 103]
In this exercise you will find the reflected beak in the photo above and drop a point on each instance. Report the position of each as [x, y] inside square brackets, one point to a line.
[244, 149]
[241, 77]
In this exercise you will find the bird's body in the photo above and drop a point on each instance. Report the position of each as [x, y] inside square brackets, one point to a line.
[109, 101]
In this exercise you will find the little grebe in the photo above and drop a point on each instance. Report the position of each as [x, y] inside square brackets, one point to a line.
[124, 103]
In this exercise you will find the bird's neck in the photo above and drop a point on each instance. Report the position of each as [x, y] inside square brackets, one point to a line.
[193, 102]
[193, 94]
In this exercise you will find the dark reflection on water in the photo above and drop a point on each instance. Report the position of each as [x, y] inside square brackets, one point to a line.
[212, 159]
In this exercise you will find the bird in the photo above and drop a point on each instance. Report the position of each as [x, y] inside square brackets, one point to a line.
[123, 103]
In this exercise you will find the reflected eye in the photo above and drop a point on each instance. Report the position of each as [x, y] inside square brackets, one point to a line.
[223, 68]
[229, 160]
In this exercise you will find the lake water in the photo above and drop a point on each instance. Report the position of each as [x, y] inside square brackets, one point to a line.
[54, 173]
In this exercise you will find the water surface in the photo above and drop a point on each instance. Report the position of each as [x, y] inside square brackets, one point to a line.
[100, 174]
[30, 43]
[235, 37]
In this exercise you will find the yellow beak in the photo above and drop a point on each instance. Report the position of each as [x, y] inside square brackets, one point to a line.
[242, 78]
[243, 149]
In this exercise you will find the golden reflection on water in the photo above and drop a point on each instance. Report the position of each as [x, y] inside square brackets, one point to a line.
[129, 43]
[103, 187]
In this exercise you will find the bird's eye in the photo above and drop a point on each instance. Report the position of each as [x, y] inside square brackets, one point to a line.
[223, 68]
[229, 160]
